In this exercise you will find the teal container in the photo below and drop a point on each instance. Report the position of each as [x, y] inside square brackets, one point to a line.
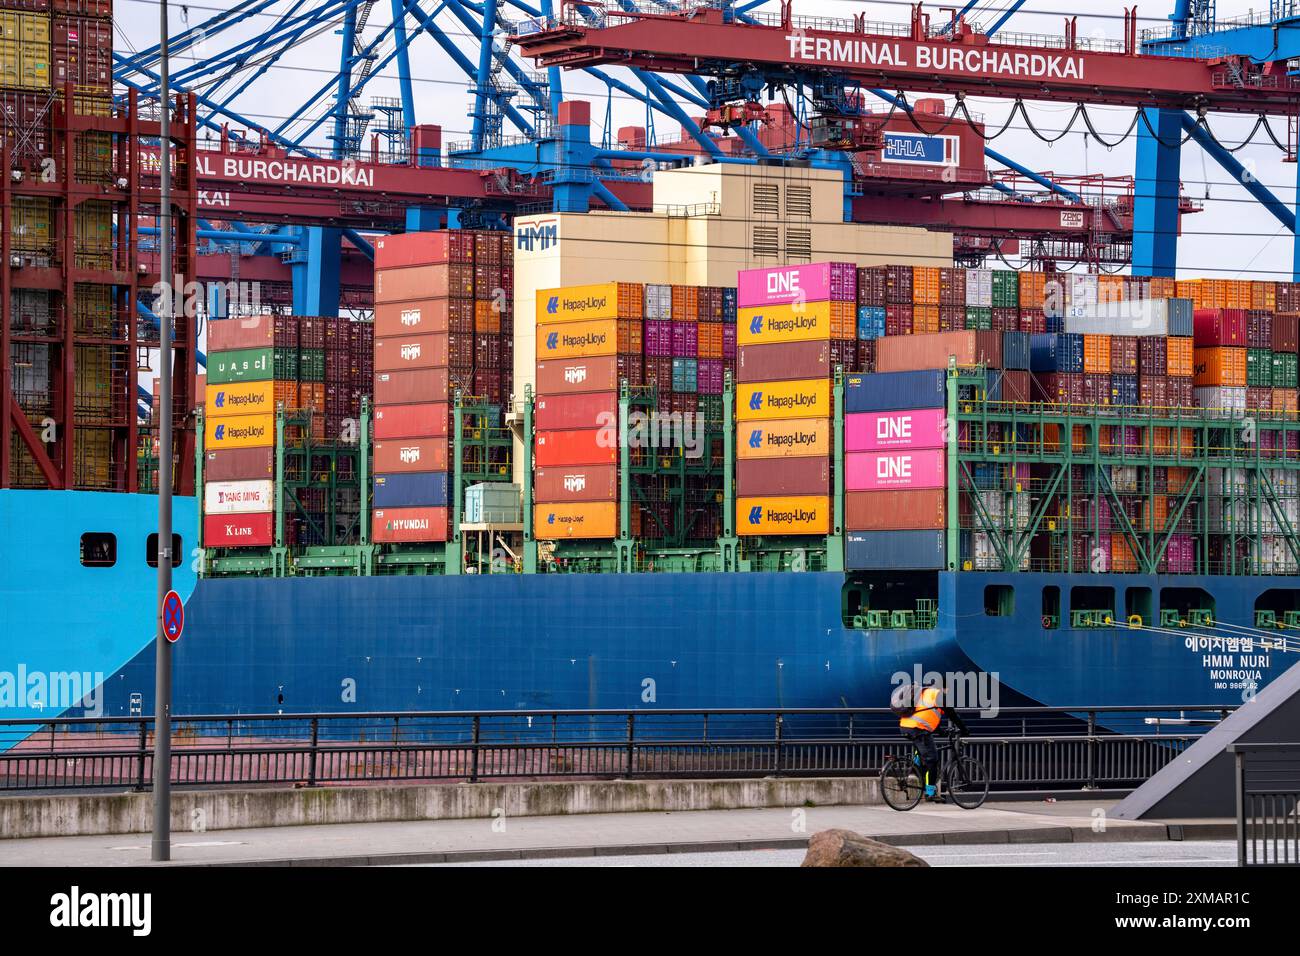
[685, 375]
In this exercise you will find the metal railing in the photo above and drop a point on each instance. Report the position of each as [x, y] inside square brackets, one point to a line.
[1268, 804]
[1024, 748]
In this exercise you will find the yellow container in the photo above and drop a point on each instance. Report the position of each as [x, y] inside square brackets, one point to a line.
[24, 50]
[93, 245]
[29, 230]
[577, 339]
[764, 325]
[245, 431]
[582, 303]
[802, 398]
[240, 398]
[792, 438]
[593, 519]
[793, 514]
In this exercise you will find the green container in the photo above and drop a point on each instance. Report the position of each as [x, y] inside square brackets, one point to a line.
[1259, 368]
[1006, 289]
[979, 318]
[1286, 370]
[253, 365]
[312, 365]
[710, 408]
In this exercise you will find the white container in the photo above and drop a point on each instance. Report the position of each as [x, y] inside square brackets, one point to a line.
[239, 497]
[1223, 401]
[492, 502]
[1129, 317]
[979, 288]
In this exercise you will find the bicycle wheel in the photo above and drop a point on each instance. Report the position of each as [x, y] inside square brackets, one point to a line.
[900, 783]
[967, 782]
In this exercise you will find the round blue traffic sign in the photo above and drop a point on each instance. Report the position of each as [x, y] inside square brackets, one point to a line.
[173, 617]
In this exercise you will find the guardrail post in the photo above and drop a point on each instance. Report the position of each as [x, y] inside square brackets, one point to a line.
[311, 758]
[779, 753]
[473, 769]
[141, 754]
[1240, 761]
[1092, 750]
[631, 745]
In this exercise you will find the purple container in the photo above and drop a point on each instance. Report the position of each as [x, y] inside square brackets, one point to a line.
[709, 376]
[686, 338]
[1180, 555]
[729, 345]
[659, 337]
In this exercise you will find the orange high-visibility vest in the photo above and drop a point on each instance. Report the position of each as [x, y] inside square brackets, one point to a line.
[927, 714]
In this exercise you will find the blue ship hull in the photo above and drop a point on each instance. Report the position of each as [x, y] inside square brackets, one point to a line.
[339, 644]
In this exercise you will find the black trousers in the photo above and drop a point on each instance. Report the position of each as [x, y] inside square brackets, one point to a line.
[924, 741]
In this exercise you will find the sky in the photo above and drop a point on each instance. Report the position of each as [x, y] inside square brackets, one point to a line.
[1233, 238]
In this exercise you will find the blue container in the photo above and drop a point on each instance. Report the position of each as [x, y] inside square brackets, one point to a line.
[1056, 353]
[896, 391]
[1055, 323]
[1123, 389]
[1015, 350]
[685, 374]
[871, 321]
[894, 551]
[1180, 317]
[416, 489]
[729, 300]
[994, 390]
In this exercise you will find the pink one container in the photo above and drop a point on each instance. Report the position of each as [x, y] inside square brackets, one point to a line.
[882, 431]
[882, 471]
[783, 285]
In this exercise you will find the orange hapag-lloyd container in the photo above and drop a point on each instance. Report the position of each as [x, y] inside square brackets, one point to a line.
[1220, 367]
[593, 519]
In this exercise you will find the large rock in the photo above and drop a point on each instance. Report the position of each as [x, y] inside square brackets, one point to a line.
[846, 848]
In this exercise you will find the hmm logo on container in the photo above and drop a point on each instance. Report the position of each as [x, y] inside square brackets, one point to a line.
[410, 317]
[409, 455]
[573, 374]
[574, 484]
[537, 236]
[410, 353]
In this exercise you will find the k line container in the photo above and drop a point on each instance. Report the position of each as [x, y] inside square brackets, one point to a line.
[587, 446]
[571, 340]
[415, 489]
[908, 353]
[589, 520]
[584, 410]
[412, 387]
[428, 420]
[881, 471]
[796, 360]
[785, 285]
[780, 477]
[575, 376]
[895, 551]
[246, 431]
[238, 497]
[577, 483]
[785, 323]
[883, 431]
[809, 398]
[896, 390]
[788, 515]
[410, 525]
[914, 510]
[411, 455]
[402, 353]
[239, 530]
[234, 464]
[784, 438]
[246, 398]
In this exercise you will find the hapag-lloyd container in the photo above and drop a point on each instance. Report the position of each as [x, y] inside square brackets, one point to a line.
[397, 525]
[575, 483]
[778, 477]
[784, 438]
[417, 489]
[237, 464]
[914, 510]
[782, 285]
[577, 339]
[411, 352]
[896, 390]
[584, 410]
[428, 420]
[895, 551]
[879, 471]
[793, 360]
[412, 387]
[774, 324]
[238, 497]
[595, 519]
[587, 446]
[792, 514]
[239, 530]
[881, 431]
[809, 398]
[410, 455]
[245, 431]
[582, 303]
[574, 376]
[239, 398]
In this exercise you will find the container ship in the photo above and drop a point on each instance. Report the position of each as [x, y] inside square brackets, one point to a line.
[730, 451]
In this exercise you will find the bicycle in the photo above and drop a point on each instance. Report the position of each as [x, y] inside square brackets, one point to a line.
[961, 777]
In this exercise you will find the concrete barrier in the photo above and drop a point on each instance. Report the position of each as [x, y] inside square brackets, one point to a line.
[203, 810]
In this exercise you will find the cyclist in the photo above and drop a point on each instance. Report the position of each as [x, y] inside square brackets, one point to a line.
[919, 720]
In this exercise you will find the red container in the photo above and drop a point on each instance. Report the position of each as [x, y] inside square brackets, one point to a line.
[413, 283]
[239, 531]
[85, 8]
[83, 53]
[774, 363]
[1017, 386]
[26, 126]
[395, 525]
[239, 464]
[866, 355]
[411, 387]
[917, 510]
[1123, 355]
[1153, 355]
[424, 248]
[1096, 388]
[427, 420]
[1005, 319]
[410, 454]
[1286, 333]
[762, 477]
[898, 319]
[1222, 327]
[586, 410]
[411, 352]
[1259, 329]
[1060, 388]
[911, 353]
[424, 316]
[575, 483]
[561, 377]
[587, 446]
[872, 285]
